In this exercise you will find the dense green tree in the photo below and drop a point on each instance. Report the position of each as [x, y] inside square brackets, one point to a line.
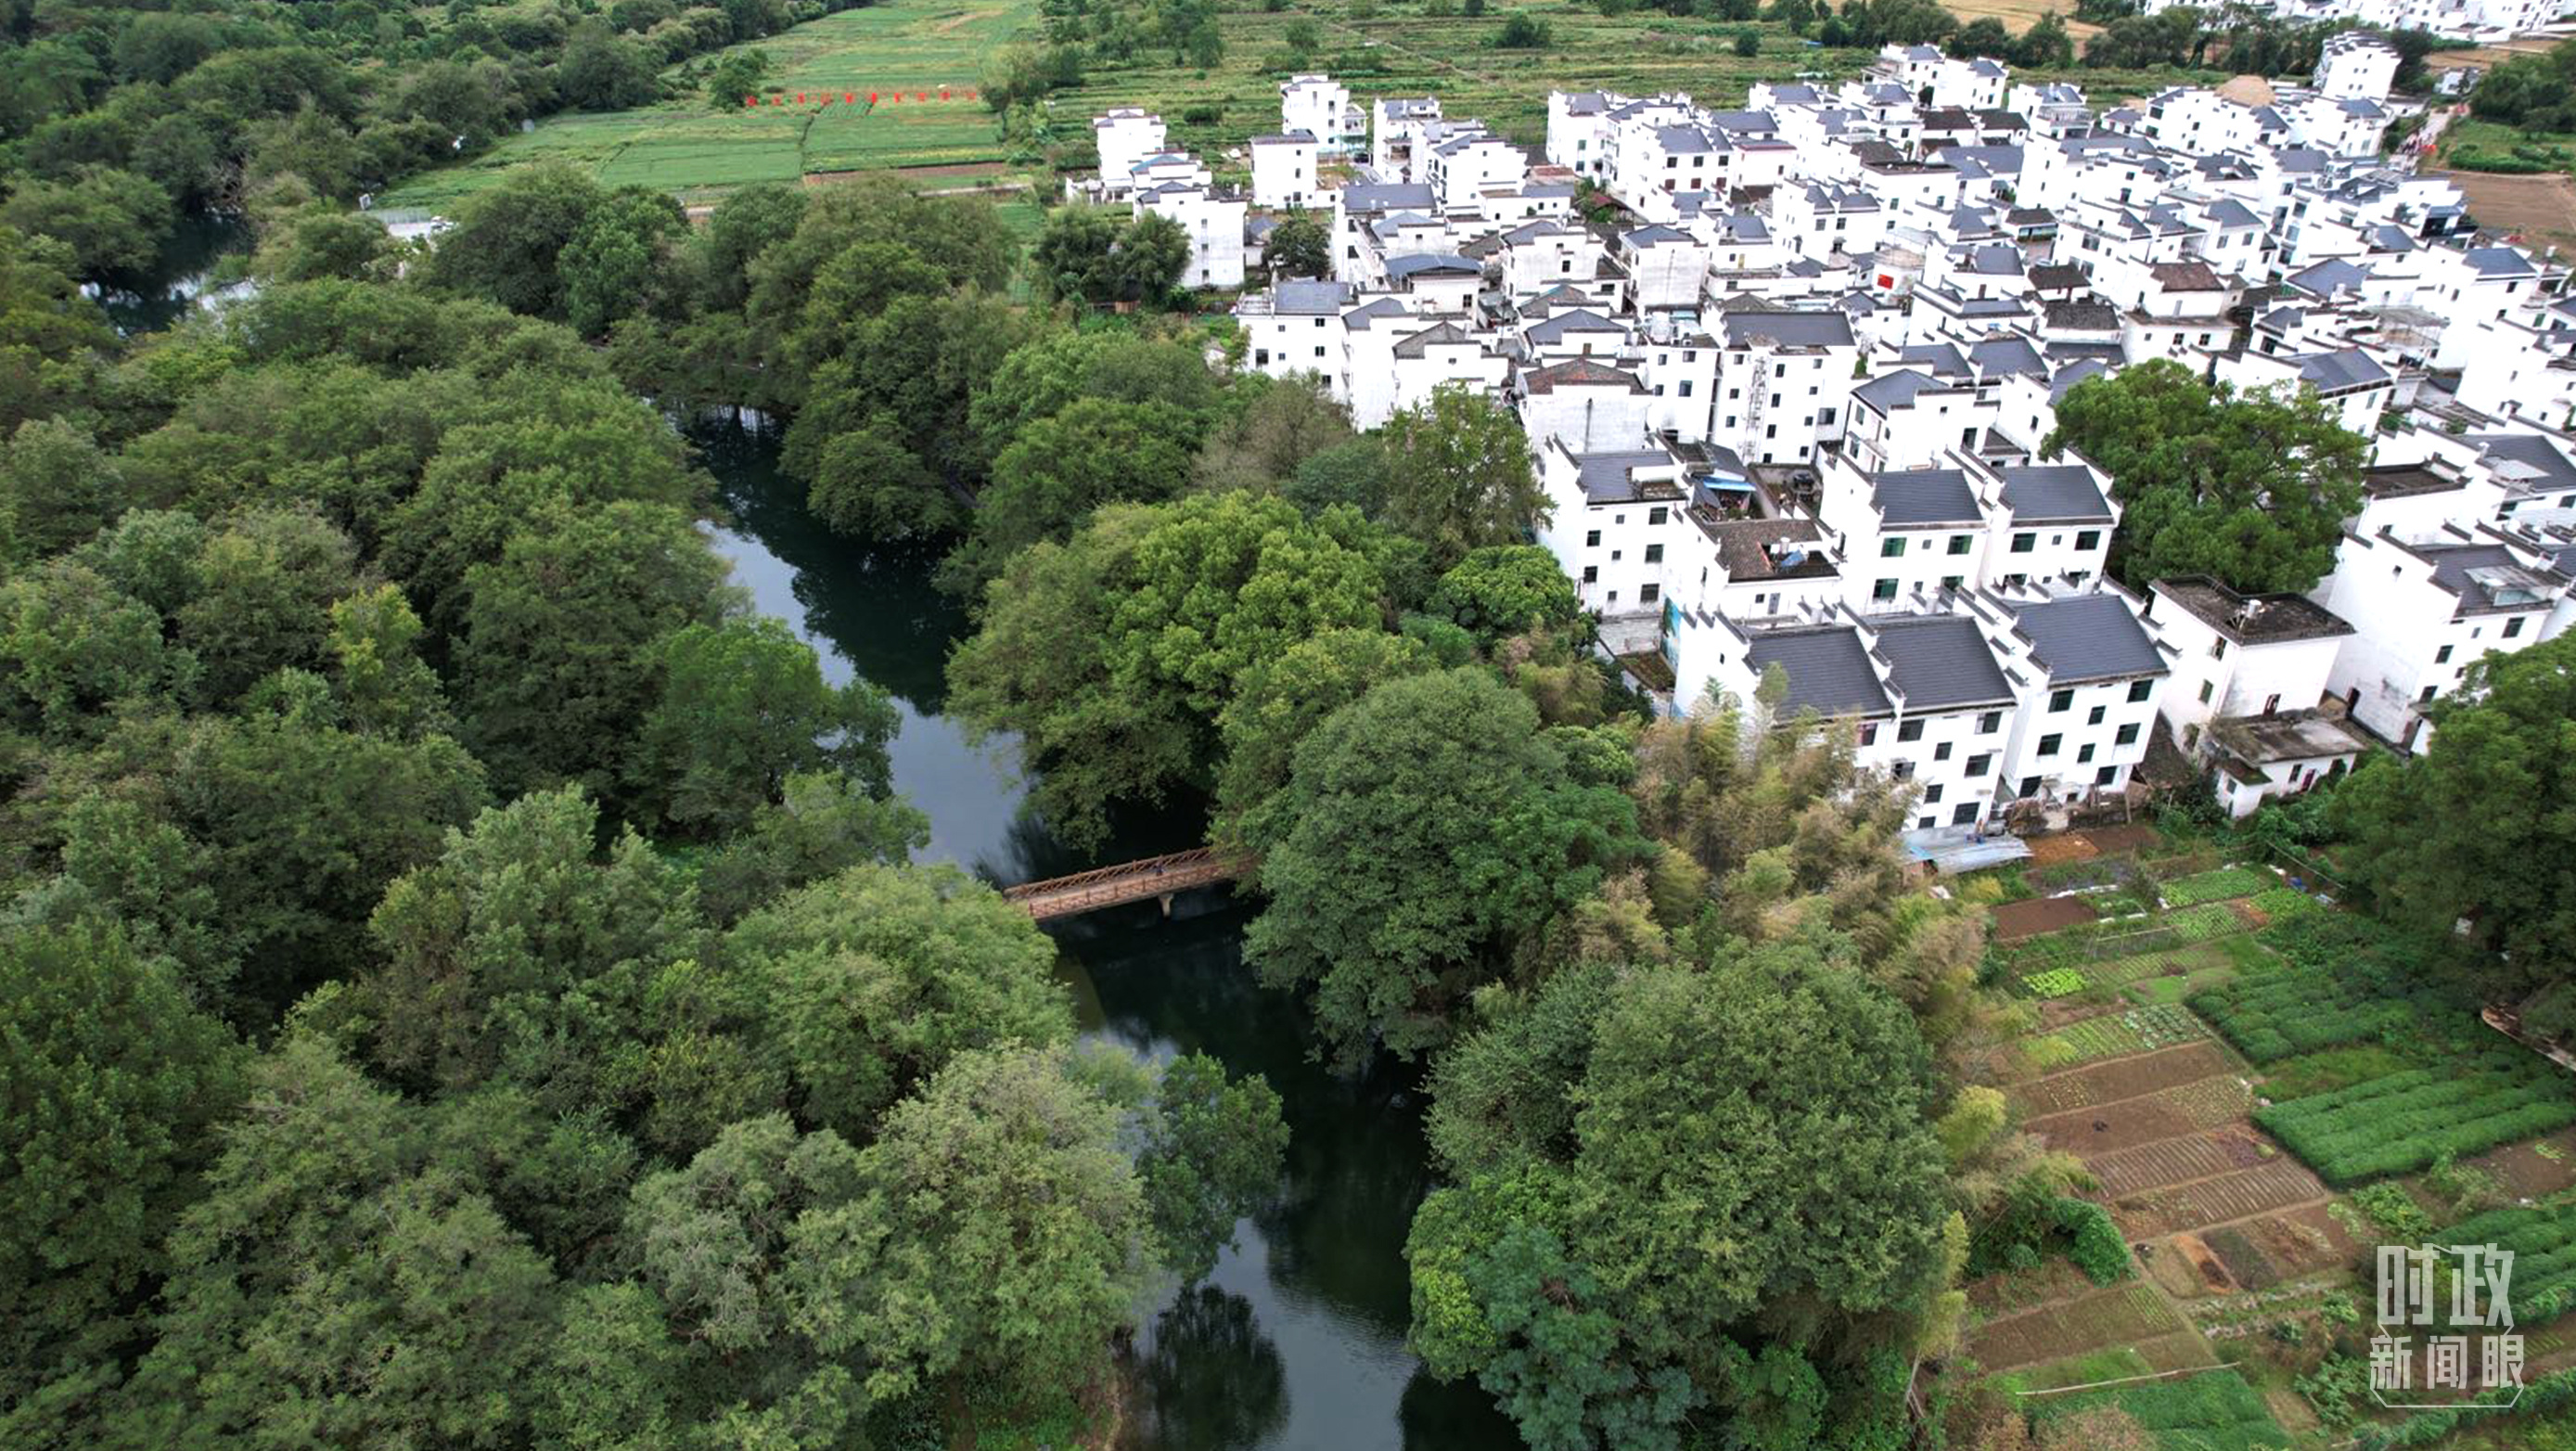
[57, 488]
[613, 263]
[1458, 474]
[1279, 425]
[304, 824]
[1003, 1235]
[1098, 255]
[109, 1087]
[70, 644]
[1058, 368]
[113, 222]
[384, 685]
[265, 584]
[1060, 468]
[1110, 656]
[1212, 1153]
[521, 954]
[1423, 828]
[736, 77]
[1298, 247]
[743, 706]
[602, 72]
[875, 979]
[508, 240]
[2250, 488]
[2535, 92]
[1353, 473]
[1656, 1165]
[323, 242]
[2480, 825]
[709, 1325]
[1279, 701]
[332, 1285]
[740, 229]
[559, 662]
[868, 484]
[1504, 589]
[52, 339]
[823, 824]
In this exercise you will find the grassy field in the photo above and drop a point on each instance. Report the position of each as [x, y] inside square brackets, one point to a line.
[700, 150]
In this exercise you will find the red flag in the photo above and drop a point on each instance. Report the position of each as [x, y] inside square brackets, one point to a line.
[943, 93]
[800, 98]
[872, 98]
[849, 98]
[921, 95]
[751, 100]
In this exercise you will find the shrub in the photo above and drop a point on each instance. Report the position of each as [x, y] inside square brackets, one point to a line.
[2408, 1121]
[2395, 1212]
[1523, 31]
[2094, 1244]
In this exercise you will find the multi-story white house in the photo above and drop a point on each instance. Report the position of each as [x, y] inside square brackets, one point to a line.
[1784, 382]
[1125, 137]
[2422, 612]
[1320, 107]
[1283, 170]
[2089, 671]
[1212, 219]
[2249, 673]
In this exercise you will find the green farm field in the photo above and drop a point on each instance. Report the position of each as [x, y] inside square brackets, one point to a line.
[700, 150]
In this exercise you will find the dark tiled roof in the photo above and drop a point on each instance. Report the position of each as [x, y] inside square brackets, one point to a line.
[2088, 637]
[1924, 496]
[1940, 662]
[1302, 299]
[1610, 478]
[1445, 335]
[1828, 671]
[1577, 372]
[2054, 494]
[1796, 329]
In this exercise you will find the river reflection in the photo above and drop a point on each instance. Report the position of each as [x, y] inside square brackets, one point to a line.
[1297, 1339]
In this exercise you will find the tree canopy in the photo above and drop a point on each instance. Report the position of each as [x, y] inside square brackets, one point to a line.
[2251, 489]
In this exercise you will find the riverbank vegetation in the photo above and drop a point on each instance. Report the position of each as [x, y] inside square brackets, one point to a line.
[465, 981]
[114, 120]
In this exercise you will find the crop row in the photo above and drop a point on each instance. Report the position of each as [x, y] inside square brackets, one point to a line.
[2405, 1121]
[2056, 982]
[2218, 886]
[2543, 1242]
[2139, 1030]
[2273, 1015]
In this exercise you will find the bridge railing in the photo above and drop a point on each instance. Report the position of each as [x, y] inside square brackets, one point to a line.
[1126, 882]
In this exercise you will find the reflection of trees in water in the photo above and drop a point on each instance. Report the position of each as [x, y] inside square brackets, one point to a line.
[873, 602]
[1209, 1378]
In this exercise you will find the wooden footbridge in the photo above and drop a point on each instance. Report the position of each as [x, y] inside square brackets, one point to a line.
[1136, 881]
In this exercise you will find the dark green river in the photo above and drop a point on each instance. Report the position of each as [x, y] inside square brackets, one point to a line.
[1298, 1339]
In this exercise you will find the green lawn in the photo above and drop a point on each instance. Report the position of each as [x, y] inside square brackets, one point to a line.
[699, 149]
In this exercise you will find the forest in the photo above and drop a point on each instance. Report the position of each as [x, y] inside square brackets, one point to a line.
[467, 982]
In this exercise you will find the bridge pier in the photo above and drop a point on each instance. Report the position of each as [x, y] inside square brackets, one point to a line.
[1166, 900]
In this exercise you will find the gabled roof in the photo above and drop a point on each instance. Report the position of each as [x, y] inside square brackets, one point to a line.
[2054, 494]
[1426, 264]
[1580, 320]
[1924, 496]
[1577, 372]
[2543, 463]
[1897, 389]
[1828, 671]
[2186, 277]
[2350, 368]
[1940, 662]
[1443, 335]
[1796, 328]
[2088, 637]
[2498, 262]
[2005, 354]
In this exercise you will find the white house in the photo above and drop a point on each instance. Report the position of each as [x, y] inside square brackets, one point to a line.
[2422, 612]
[1213, 221]
[1320, 107]
[1283, 170]
[2089, 671]
[1125, 137]
[2249, 671]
